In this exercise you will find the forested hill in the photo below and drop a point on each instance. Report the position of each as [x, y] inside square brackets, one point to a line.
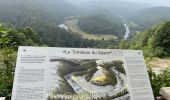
[150, 16]
[35, 11]
[26, 13]
[19, 36]
[32, 13]
[155, 41]
[102, 23]
[117, 7]
[59, 9]
[23, 13]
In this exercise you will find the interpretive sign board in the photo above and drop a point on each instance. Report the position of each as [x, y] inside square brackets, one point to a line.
[51, 73]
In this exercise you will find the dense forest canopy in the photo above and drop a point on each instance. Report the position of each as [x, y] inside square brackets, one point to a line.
[155, 41]
[21, 36]
[101, 23]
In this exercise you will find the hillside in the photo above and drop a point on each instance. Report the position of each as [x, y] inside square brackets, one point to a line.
[23, 13]
[59, 9]
[26, 13]
[155, 41]
[102, 23]
[33, 11]
[117, 7]
[150, 16]
[35, 14]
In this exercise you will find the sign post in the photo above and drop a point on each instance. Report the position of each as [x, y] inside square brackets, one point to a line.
[44, 73]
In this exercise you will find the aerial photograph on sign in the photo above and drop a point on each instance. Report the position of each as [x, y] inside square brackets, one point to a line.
[89, 79]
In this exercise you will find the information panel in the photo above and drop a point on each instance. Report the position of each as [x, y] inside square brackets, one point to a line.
[51, 73]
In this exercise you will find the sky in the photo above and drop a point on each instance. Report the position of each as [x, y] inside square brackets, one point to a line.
[151, 2]
[155, 2]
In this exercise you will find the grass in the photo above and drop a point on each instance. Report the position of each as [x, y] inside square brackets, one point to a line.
[73, 26]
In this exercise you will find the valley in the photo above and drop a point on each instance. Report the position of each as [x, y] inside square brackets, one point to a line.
[73, 26]
[106, 24]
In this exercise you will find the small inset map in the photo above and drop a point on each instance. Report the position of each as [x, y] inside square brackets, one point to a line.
[90, 80]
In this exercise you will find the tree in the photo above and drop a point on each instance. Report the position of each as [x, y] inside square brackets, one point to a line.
[7, 64]
[124, 44]
[155, 41]
[161, 40]
[159, 80]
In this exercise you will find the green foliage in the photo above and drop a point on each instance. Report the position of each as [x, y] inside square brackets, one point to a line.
[7, 64]
[124, 44]
[43, 18]
[155, 41]
[102, 24]
[10, 38]
[21, 36]
[159, 80]
[161, 39]
[26, 13]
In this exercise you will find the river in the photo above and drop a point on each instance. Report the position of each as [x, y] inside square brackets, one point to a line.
[127, 32]
[63, 26]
